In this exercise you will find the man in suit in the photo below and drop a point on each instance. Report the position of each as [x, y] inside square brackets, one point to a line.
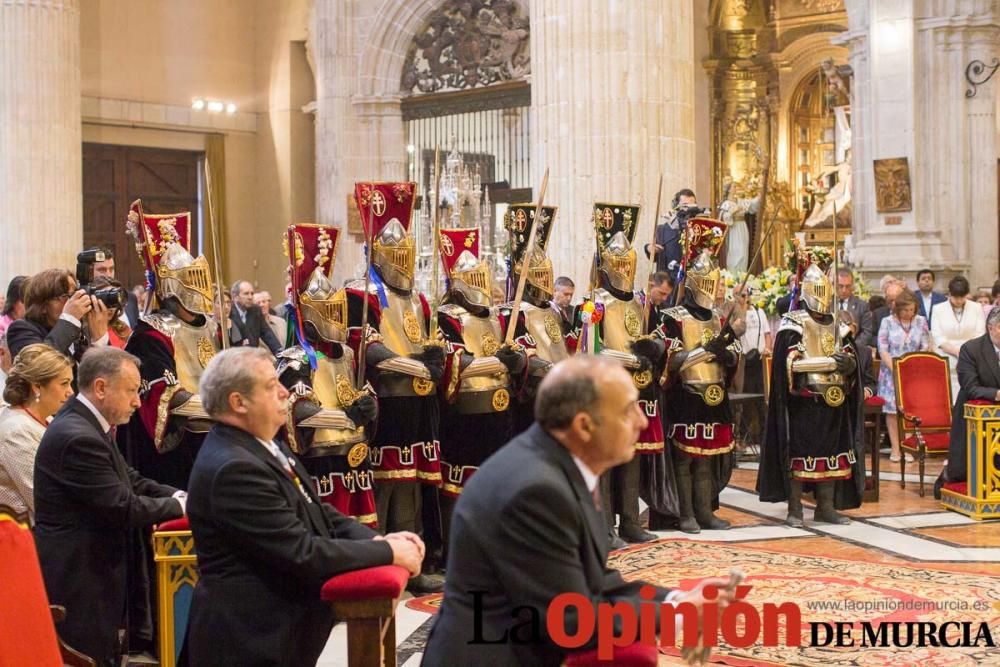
[927, 298]
[857, 307]
[667, 240]
[106, 268]
[265, 541]
[978, 379]
[562, 302]
[528, 527]
[249, 325]
[278, 325]
[88, 501]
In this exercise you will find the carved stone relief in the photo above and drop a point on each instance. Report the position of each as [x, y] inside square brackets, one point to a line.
[468, 44]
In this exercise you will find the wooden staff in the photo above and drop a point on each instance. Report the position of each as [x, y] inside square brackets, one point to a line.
[652, 258]
[216, 255]
[523, 278]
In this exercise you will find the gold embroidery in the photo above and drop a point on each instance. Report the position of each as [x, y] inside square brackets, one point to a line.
[411, 327]
[632, 325]
[357, 455]
[162, 414]
[345, 391]
[642, 379]
[205, 351]
[490, 345]
[714, 395]
[422, 387]
[552, 328]
[704, 451]
[834, 396]
[501, 399]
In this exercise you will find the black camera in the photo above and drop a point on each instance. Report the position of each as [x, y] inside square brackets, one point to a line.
[687, 211]
[113, 297]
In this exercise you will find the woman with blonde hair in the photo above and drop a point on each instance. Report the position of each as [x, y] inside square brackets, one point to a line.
[39, 383]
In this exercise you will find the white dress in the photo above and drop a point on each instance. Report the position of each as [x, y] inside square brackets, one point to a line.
[20, 435]
[734, 211]
[946, 327]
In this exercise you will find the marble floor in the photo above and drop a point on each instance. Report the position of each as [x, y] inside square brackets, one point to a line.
[901, 527]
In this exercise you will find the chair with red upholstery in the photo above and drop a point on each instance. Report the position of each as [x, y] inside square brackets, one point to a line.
[923, 408]
[367, 599]
[27, 632]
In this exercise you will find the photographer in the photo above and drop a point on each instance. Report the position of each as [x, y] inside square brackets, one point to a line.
[104, 267]
[60, 315]
[668, 235]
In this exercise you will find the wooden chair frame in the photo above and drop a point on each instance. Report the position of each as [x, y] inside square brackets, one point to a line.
[917, 429]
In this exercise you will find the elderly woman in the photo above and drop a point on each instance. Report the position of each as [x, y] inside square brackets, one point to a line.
[955, 321]
[901, 332]
[58, 314]
[38, 384]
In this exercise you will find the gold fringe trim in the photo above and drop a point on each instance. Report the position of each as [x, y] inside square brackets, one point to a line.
[451, 488]
[649, 446]
[367, 518]
[704, 452]
[408, 473]
[829, 474]
[429, 476]
[162, 414]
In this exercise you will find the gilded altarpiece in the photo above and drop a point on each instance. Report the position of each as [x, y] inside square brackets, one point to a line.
[753, 46]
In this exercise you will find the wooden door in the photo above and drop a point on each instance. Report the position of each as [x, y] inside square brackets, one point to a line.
[115, 176]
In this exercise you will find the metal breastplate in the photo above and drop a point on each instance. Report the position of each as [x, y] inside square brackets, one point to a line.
[333, 385]
[707, 377]
[481, 337]
[544, 329]
[818, 340]
[622, 321]
[194, 347]
[402, 323]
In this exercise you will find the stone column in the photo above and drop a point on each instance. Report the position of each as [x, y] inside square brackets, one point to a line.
[40, 153]
[612, 89]
[359, 134]
[909, 60]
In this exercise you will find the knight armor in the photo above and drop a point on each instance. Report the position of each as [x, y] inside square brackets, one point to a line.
[705, 377]
[813, 365]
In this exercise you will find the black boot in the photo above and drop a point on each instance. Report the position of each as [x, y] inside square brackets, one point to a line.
[824, 505]
[629, 528]
[704, 494]
[794, 518]
[685, 497]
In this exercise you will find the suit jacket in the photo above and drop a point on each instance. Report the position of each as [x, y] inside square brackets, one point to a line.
[87, 503]
[858, 308]
[265, 545]
[936, 298]
[878, 315]
[132, 310]
[251, 332]
[978, 379]
[524, 530]
[62, 336]
[670, 239]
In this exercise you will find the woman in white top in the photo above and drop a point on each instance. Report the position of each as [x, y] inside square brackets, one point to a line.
[953, 322]
[39, 383]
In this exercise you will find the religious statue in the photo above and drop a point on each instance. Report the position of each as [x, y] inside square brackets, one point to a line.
[733, 210]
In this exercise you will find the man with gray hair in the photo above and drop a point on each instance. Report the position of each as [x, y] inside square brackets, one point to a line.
[265, 542]
[249, 323]
[88, 501]
[529, 527]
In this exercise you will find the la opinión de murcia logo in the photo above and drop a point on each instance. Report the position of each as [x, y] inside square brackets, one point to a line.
[573, 621]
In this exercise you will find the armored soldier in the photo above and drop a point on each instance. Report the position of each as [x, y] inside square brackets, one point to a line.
[701, 359]
[175, 339]
[329, 417]
[616, 330]
[539, 330]
[480, 371]
[813, 437]
[403, 361]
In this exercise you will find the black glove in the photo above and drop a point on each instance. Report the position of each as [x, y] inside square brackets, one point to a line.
[650, 349]
[363, 411]
[846, 363]
[717, 346]
[514, 361]
[432, 357]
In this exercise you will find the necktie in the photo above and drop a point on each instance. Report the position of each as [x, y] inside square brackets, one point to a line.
[596, 495]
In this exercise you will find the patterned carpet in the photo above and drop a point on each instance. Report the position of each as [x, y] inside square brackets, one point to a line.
[891, 591]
